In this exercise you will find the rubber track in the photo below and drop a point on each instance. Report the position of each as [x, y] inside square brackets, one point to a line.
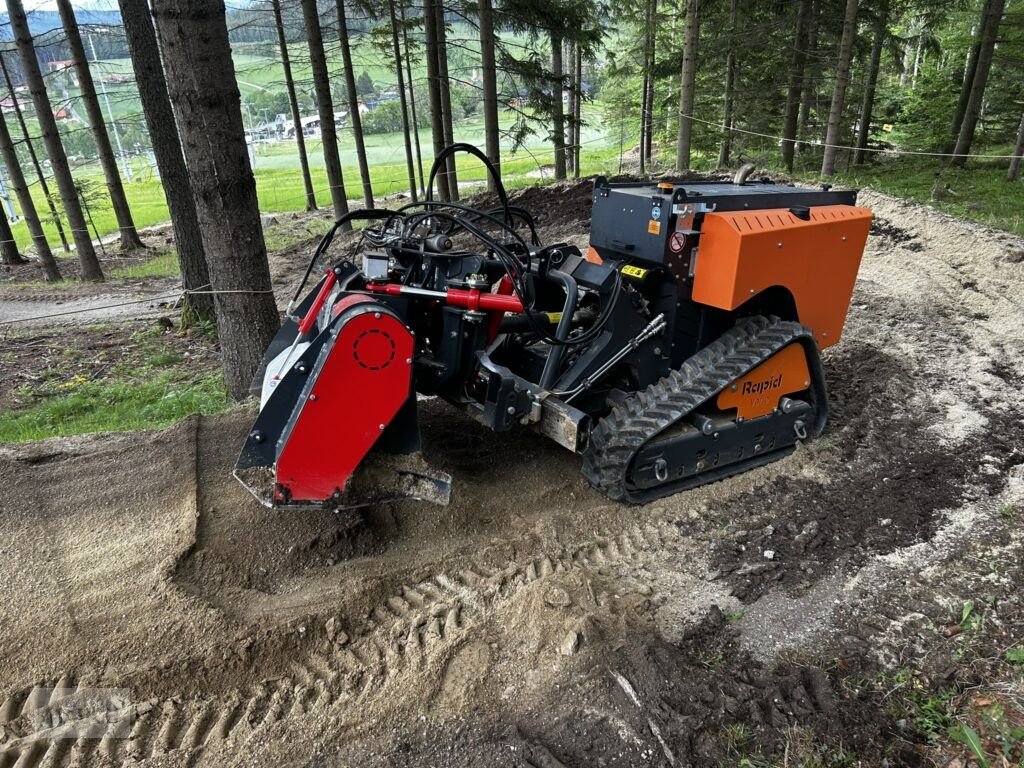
[419, 621]
[621, 434]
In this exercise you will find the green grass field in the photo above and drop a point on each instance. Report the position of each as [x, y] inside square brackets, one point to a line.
[980, 192]
[279, 183]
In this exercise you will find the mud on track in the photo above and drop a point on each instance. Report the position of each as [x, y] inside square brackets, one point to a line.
[532, 622]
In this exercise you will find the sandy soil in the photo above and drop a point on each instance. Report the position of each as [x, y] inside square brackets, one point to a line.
[532, 622]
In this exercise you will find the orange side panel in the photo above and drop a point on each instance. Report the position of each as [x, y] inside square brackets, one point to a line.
[758, 393]
[745, 252]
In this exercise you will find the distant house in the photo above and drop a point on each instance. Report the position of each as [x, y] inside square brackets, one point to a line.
[7, 104]
[310, 126]
[60, 114]
[59, 64]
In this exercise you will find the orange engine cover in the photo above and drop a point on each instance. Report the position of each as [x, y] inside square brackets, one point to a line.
[743, 253]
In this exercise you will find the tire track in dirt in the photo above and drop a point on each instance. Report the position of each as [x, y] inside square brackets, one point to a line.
[416, 622]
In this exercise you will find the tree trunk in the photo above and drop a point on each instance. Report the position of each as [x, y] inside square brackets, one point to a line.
[647, 88]
[43, 186]
[917, 60]
[867, 106]
[570, 118]
[796, 83]
[51, 139]
[833, 134]
[652, 63]
[434, 90]
[355, 119]
[1014, 172]
[446, 96]
[129, 236]
[557, 113]
[489, 75]
[28, 209]
[970, 69]
[989, 32]
[687, 83]
[904, 63]
[412, 93]
[730, 85]
[809, 90]
[965, 95]
[156, 109]
[402, 99]
[203, 90]
[578, 121]
[325, 107]
[293, 103]
[9, 254]
[643, 117]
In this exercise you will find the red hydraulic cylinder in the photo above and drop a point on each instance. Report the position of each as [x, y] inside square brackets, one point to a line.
[471, 298]
[314, 309]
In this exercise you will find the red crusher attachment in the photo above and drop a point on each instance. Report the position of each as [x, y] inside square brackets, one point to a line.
[332, 401]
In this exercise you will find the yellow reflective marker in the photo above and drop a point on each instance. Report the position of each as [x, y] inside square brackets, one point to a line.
[631, 271]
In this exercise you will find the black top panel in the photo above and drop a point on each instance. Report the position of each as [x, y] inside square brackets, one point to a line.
[726, 196]
[637, 221]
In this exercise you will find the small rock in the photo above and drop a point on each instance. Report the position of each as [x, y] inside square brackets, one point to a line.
[557, 597]
[952, 630]
[302, 629]
[331, 628]
[769, 554]
[570, 644]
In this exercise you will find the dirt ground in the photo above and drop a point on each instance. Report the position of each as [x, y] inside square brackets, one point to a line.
[804, 613]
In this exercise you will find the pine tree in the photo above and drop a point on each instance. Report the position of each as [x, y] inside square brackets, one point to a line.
[156, 109]
[90, 265]
[128, 236]
[27, 139]
[833, 135]
[408, 127]
[325, 107]
[987, 43]
[293, 104]
[354, 118]
[51, 271]
[201, 81]
[796, 82]
[868, 104]
[687, 84]
[489, 82]
[431, 45]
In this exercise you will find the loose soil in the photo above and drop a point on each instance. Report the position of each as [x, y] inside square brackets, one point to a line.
[776, 617]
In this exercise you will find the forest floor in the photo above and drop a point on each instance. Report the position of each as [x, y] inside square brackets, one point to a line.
[857, 603]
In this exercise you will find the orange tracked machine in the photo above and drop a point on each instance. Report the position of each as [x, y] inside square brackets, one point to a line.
[680, 347]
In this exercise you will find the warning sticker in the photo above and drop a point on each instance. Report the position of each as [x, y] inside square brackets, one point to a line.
[677, 242]
[653, 227]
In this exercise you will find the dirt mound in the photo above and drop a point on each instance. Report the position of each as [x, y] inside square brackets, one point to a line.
[533, 622]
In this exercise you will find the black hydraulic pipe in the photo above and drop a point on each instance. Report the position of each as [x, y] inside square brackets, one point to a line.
[554, 361]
